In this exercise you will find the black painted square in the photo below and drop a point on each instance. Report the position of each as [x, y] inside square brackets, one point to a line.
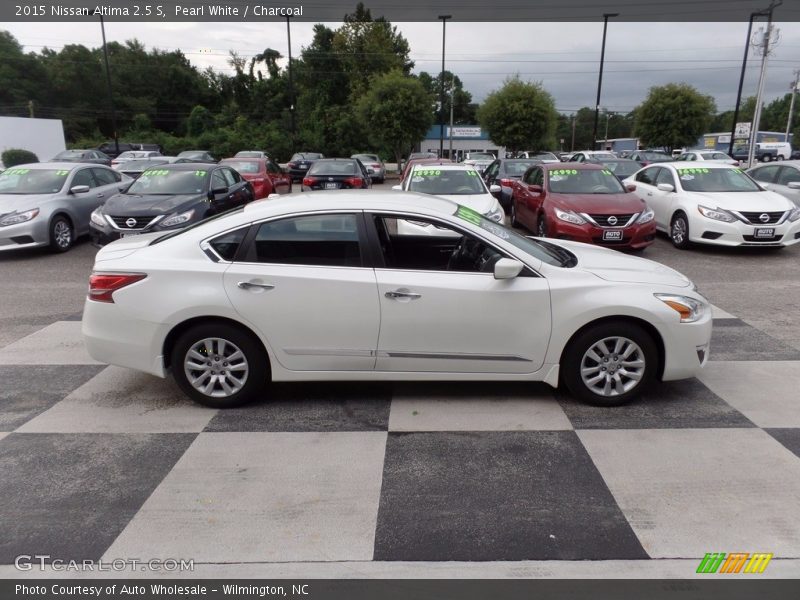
[733, 339]
[29, 390]
[70, 495]
[788, 436]
[668, 405]
[319, 406]
[488, 496]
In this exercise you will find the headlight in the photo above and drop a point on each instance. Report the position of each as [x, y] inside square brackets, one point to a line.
[19, 217]
[795, 214]
[690, 310]
[97, 218]
[570, 217]
[177, 219]
[496, 214]
[717, 214]
[647, 216]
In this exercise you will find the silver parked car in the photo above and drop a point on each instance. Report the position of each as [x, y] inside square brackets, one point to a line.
[783, 178]
[374, 162]
[49, 204]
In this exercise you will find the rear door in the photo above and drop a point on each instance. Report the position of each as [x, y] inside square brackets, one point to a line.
[280, 180]
[304, 285]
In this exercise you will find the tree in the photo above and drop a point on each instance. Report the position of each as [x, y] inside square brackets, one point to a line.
[519, 116]
[673, 116]
[397, 112]
[464, 111]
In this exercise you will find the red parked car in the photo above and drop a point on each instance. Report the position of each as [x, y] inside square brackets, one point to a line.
[582, 202]
[266, 176]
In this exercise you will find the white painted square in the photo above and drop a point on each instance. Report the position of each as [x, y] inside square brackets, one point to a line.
[3, 434]
[119, 400]
[686, 492]
[766, 392]
[60, 343]
[264, 497]
[718, 313]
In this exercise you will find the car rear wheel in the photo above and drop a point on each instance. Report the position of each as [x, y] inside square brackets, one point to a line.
[679, 231]
[766, 158]
[541, 226]
[219, 365]
[610, 364]
[61, 234]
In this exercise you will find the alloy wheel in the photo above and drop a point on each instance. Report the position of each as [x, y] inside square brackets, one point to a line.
[612, 366]
[62, 234]
[216, 367]
[678, 232]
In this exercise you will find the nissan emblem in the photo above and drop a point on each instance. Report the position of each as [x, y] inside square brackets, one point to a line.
[612, 220]
[764, 218]
[131, 222]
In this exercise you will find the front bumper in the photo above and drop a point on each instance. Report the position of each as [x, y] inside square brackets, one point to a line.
[30, 234]
[709, 231]
[686, 348]
[102, 236]
[632, 238]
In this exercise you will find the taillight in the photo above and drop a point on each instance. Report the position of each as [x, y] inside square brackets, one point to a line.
[354, 181]
[103, 285]
[292, 165]
[506, 182]
[376, 166]
[309, 181]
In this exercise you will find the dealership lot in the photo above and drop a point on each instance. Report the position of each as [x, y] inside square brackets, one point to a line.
[101, 462]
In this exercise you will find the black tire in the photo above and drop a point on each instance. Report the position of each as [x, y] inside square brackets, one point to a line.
[541, 226]
[514, 222]
[573, 358]
[766, 158]
[679, 231]
[257, 365]
[62, 234]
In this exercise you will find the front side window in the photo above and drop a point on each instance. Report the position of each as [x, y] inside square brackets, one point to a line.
[218, 181]
[330, 240]
[648, 176]
[106, 176]
[665, 176]
[788, 175]
[84, 177]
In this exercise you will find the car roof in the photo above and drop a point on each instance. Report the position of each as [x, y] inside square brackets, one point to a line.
[579, 166]
[184, 166]
[58, 165]
[445, 167]
[688, 164]
[242, 159]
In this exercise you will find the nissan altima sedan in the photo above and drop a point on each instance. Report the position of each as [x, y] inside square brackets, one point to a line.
[50, 204]
[713, 203]
[320, 288]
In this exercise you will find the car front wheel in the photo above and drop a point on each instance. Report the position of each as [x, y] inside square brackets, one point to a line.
[679, 231]
[219, 365]
[610, 364]
[541, 228]
[61, 234]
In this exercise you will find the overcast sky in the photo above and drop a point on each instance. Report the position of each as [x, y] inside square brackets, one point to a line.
[564, 56]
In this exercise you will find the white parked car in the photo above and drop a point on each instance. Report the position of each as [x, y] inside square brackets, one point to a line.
[129, 155]
[544, 157]
[459, 183]
[590, 155]
[713, 203]
[707, 155]
[479, 160]
[319, 288]
[783, 178]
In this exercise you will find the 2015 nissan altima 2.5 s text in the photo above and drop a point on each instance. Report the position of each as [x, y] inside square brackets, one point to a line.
[330, 288]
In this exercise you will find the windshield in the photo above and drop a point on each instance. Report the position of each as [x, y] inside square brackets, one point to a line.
[455, 182]
[547, 253]
[243, 166]
[655, 156]
[192, 154]
[716, 156]
[518, 167]
[584, 181]
[306, 156]
[622, 168]
[716, 180]
[32, 181]
[69, 154]
[139, 164]
[333, 167]
[168, 182]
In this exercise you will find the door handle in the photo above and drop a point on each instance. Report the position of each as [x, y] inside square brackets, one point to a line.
[649, 193]
[249, 285]
[100, 195]
[396, 294]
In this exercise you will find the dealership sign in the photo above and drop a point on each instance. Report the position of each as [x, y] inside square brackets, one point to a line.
[464, 132]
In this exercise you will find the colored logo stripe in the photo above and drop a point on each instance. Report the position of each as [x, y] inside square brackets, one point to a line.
[721, 562]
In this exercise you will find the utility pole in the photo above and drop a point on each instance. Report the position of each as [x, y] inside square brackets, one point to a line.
[761, 81]
[606, 16]
[741, 79]
[795, 86]
[30, 110]
[452, 94]
[608, 117]
[291, 84]
[441, 88]
[108, 83]
[572, 145]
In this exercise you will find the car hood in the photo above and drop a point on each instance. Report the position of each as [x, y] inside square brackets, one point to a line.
[482, 203]
[599, 203]
[612, 265]
[135, 205]
[739, 201]
[21, 202]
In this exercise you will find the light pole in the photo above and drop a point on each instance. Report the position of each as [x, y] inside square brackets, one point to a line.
[452, 94]
[291, 84]
[608, 117]
[795, 87]
[108, 83]
[606, 16]
[444, 19]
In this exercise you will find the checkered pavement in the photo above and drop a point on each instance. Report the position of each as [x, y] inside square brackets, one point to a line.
[100, 462]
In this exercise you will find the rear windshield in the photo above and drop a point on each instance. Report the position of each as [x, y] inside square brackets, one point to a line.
[243, 166]
[333, 167]
[448, 182]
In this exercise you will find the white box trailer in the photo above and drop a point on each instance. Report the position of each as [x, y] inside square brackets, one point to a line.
[43, 137]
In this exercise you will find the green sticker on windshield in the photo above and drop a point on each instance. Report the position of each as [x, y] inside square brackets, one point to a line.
[200, 173]
[428, 173]
[472, 173]
[469, 215]
[62, 173]
[564, 172]
[606, 172]
[155, 173]
[17, 171]
[693, 171]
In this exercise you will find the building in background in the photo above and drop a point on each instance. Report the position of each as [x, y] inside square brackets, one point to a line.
[43, 137]
[721, 141]
[466, 138]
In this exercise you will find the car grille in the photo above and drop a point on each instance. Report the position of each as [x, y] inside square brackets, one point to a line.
[755, 217]
[141, 222]
[621, 220]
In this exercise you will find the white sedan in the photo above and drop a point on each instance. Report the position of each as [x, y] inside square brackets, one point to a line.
[459, 183]
[707, 156]
[312, 288]
[713, 203]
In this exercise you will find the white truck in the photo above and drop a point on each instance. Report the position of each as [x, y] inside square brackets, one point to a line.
[768, 151]
[43, 137]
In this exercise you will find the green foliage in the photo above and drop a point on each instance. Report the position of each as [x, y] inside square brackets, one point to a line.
[464, 111]
[673, 116]
[200, 121]
[16, 156]
[519, 116]
[396, 111]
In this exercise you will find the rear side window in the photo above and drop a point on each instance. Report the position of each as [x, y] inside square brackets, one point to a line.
[765, 174]
[228, 244]
[648, 176]
[106, 176]
[322, 240]
[788, 175]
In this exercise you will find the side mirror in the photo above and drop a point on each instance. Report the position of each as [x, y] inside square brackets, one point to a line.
[766, 186]
[219, 191]
[794, 185]
[79, 189]
[398, 188]
[273, 196]
[507, 268]
[666, 187]
[495, 189]
[631, 187]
